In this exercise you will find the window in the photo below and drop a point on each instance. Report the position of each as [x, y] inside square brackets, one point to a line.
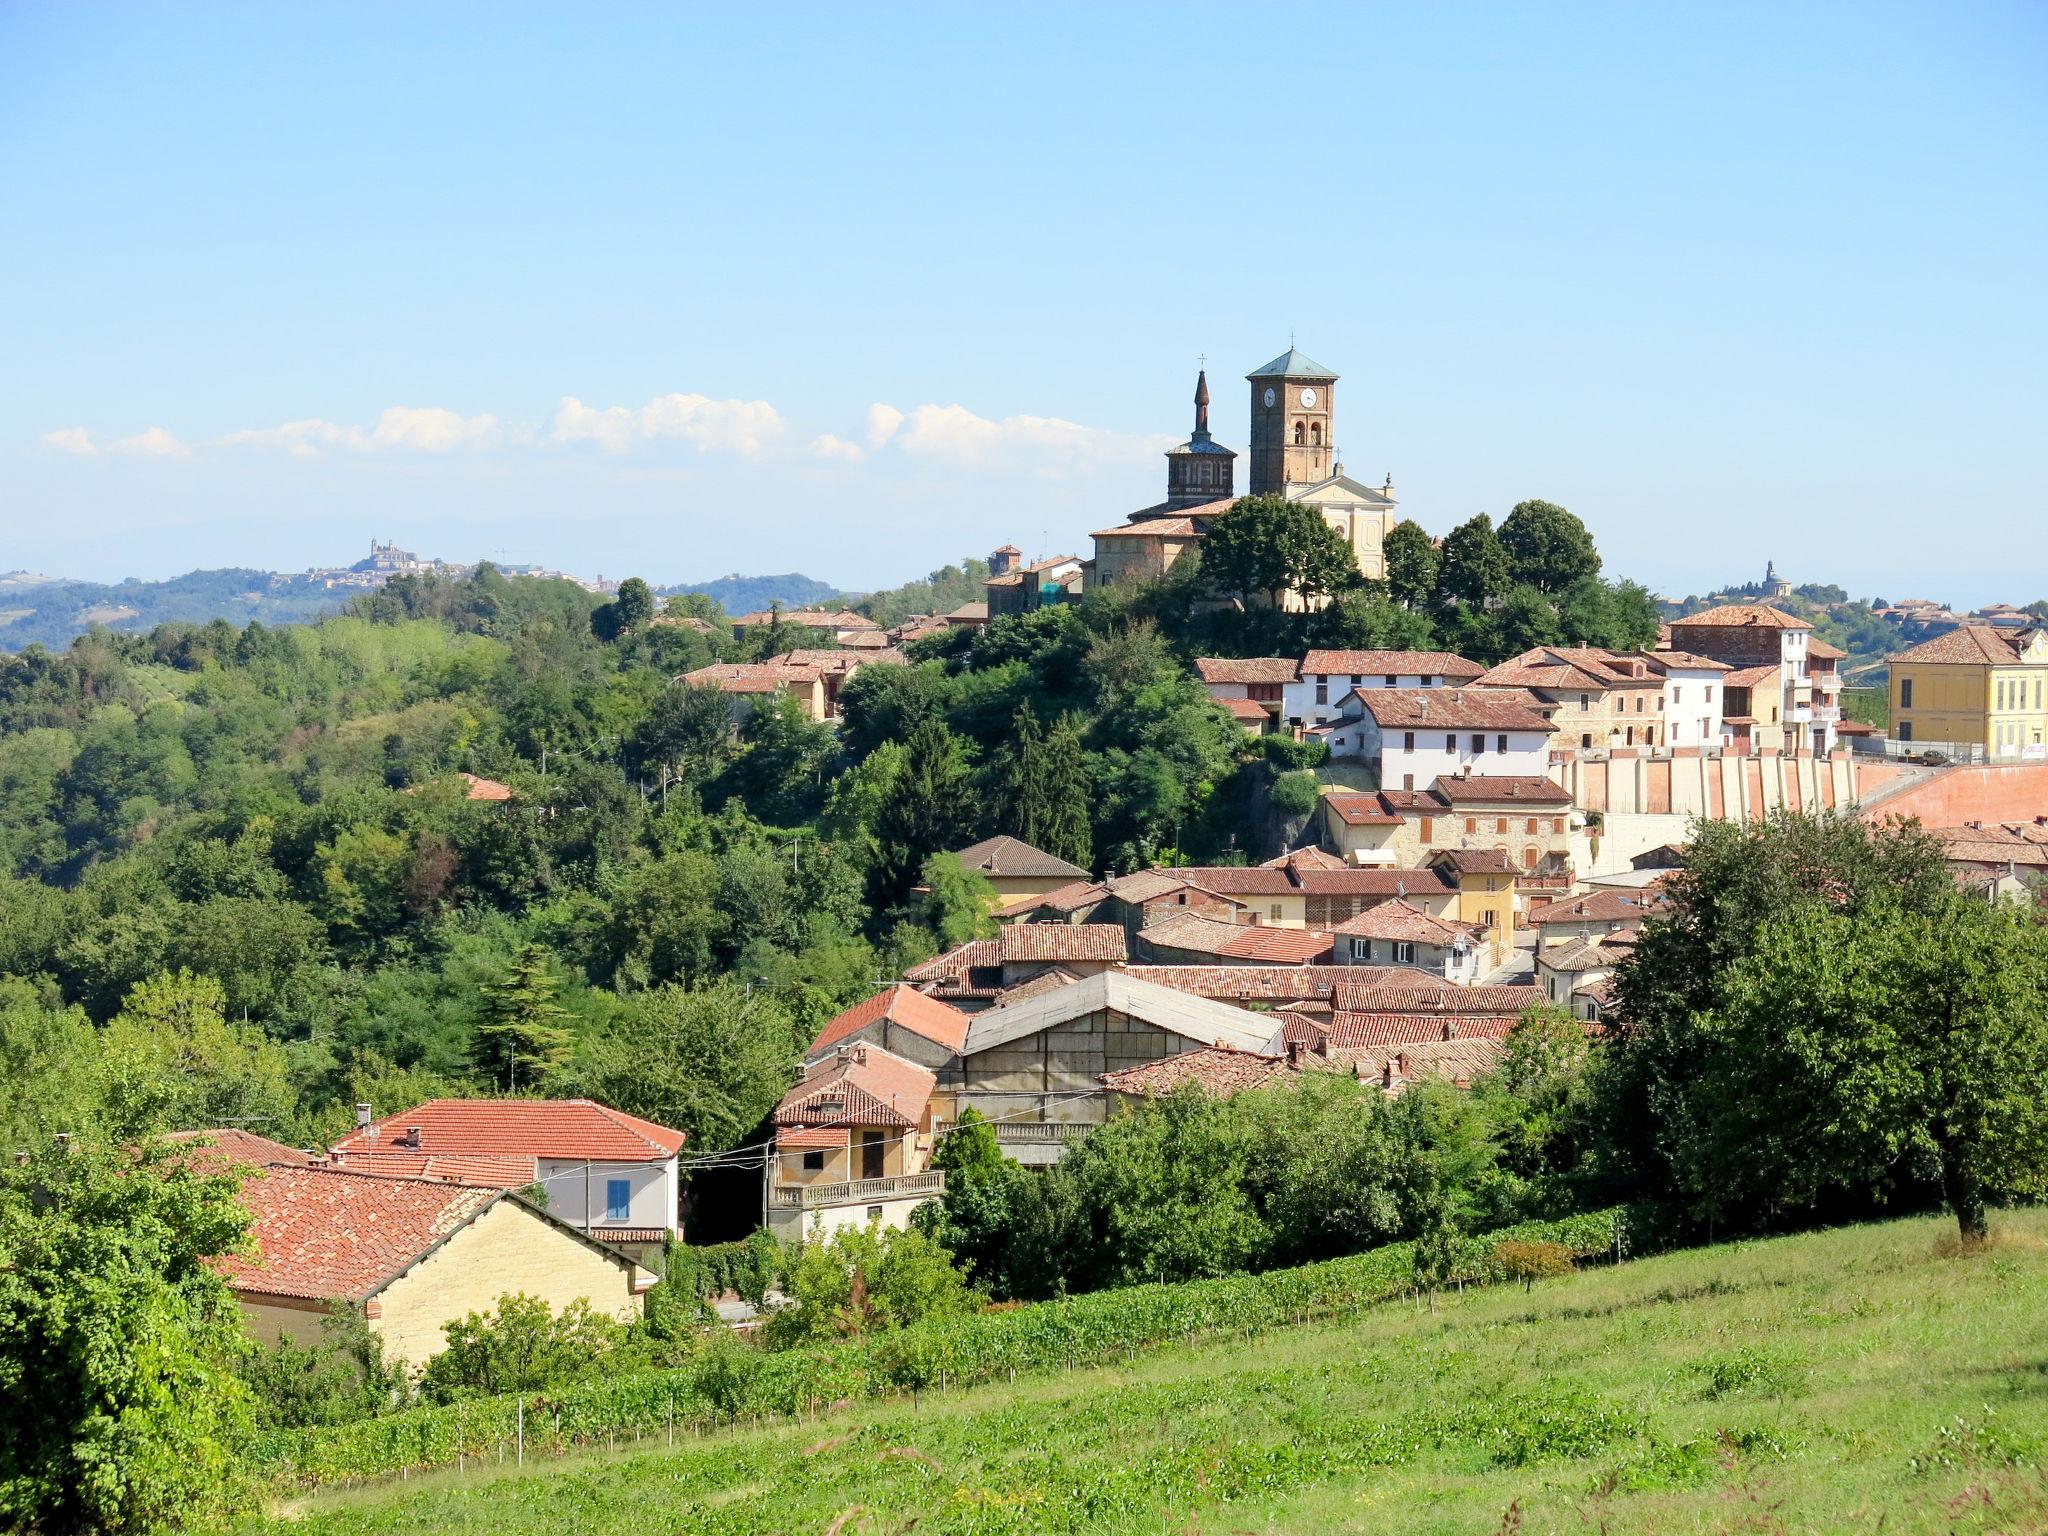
[813, 1161]
[1478, 743]
[1532, 826]
[1471, 823]
[1425, 830]
[1500, 743]
[1315, 433]
[1322, 690]
[1905, 730]
[1529, 858]
[1390, 679]
[874, 1213]
[1273, 911]
[1676, 693]
[1450, 743]
[1404, 953]
[1407, 781]
[1585, 701]
[1361, 949]
[1357, 678]
[1906, 698]
[1586, 739]
[1407, 741]
[618, 1199]
[1500, 824]
[2001, 693]
[1557, 825]
[1300, 432]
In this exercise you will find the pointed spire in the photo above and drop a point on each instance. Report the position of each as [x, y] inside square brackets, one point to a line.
[1202, 402]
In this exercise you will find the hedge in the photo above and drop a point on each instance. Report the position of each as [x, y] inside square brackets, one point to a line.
[734, 1383]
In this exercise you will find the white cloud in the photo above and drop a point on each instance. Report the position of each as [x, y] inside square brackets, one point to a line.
[883, 420]
[832, 447]
[73, 440]
[715, 426]
[400, 429]
[952, 434]
[153, 443]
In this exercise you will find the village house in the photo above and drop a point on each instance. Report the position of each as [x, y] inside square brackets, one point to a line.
[813, 678]
[1401, 933]
[1017, 869]
[853, 1141]
[1303, 894]
[1782, 693]
[970, 976]
[1487, 890]
[1573, 975]
[409, 1255]
[1412, 737]
[1975, 687]
[1026, 588]
[1132, 901]
[841, 623]
[1251, 688]
[1525, 816]
[1595, 914]
[1391, 1007]
[600, 1170]
[1221, 1071]
[900, 1020]
[1592, 698]
[1187, 938]
[1316, 694]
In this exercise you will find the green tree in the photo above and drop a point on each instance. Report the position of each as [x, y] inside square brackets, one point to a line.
[1042, 785]
[866, 1280]
[959, 902]
[710, 1060]
[1269, 546]
[636, 604]
[1411, 564]
[520, 1345]
[973, 1220]
[118, 1343]
[1853, 1049]
[1546, 547]
[1472, 568]
[931, 809]
[687, 736]
[520, 1028]
[171, 1060]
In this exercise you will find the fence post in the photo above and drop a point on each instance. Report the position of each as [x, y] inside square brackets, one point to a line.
[671, 1421]
[522, 1431]
[460, 1464]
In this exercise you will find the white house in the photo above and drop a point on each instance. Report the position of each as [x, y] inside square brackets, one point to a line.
[1692, 697]
[598, 1169]
[1414, 736]
[1400, 933]
[1326, 677]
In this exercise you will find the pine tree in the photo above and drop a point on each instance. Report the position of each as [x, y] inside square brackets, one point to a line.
[519, 1025]
[1021, 778]
[1064, 830]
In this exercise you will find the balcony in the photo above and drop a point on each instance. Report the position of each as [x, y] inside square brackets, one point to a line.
[1041, 1131]
[903, 1186]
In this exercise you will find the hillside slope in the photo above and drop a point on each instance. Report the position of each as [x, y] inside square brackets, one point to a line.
[1829, 1382]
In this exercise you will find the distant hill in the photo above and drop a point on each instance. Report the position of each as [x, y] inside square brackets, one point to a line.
[749, 594]
[39, 611]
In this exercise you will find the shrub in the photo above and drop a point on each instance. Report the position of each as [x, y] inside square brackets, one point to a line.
[1286, 754]
[1529, 1262]
[521, 1345]
[1294, 794]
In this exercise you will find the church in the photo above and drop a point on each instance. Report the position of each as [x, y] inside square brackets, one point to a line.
[1293, 453]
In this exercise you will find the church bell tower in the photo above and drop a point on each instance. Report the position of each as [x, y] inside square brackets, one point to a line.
[1293, 417]
[1201, 469]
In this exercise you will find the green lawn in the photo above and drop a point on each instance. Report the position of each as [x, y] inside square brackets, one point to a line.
[1854, 1380]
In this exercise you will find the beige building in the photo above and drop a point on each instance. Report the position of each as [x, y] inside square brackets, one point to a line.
[813, 678]
[1017, 869]
[412, 1255]
[1976, 686]
[853, 1144]
[1592, 698]
[1525, 817]
[1783, 691]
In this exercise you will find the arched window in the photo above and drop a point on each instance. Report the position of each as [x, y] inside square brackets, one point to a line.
[1299, 433]
[1315, 433]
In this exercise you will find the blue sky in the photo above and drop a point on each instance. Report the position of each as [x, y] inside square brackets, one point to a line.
[857, 290]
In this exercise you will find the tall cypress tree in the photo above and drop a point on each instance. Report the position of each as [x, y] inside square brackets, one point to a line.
[1021, 778]
[518, 1034]
[1064, 830]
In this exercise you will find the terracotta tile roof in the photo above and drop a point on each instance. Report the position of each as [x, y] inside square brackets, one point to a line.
[860, 1085]
[485, 789]
[1232, 880]
[232, 1147]
[1583, 955]
[1741, 615]
[1147, 885]
[1051, 979]
[1600, 907]
[577, 1128]
[752, 677]
[1281, 946]
[332, 1234]
[1819, 649]
[1009, 856]
[1685, 660]
[1410, 991]
[1151, 528]
[629, 1234]
[957, 961]
[1403, 922]
[1249, 711]
[809, 618]
[1383, 663]
[1553, 676]
[1306, 858]
[1969, 645]
[1265, 983]
[1474, 861]
[903, 1006]
[1247, 669]
[1751, 677]
[1218, 1069]
[1071, 897]
[810, 1138]
[1349, 1030]
[1189, 930]
[1362, 809]
[1500, 789]
[1479, 709]
[1458, 1061]
[1062, 941]
[504, 1170]
[969, 613]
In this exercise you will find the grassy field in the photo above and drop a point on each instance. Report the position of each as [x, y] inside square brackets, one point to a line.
[1854, 1380]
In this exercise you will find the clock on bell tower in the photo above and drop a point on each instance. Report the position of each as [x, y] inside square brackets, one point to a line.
[1292, 421]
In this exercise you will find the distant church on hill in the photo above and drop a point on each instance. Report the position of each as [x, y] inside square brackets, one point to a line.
[1293, 453]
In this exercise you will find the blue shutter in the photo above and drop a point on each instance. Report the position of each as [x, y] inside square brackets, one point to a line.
[618, 1198]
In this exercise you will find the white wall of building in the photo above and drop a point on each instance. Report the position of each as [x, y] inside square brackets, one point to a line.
[1692, 707]
[1316, 697]
[1446, 753]
[577, 1192]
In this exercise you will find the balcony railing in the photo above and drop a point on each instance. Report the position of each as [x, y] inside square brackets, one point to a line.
[1036, 1130]
[858, 1191]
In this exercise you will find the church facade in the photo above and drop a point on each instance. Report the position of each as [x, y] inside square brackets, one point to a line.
[1292, 453]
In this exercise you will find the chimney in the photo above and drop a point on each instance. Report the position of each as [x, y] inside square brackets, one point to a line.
[1450, 1029]
[412, 1136]
[363, 1117]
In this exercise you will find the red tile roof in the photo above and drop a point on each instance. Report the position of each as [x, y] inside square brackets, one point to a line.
[1396, 990]
[1235, 880]
[1067, 898]
[1600, 907]
[1475, 861]
[505, 1170]
[1263, 983]
[1218, 1069]
[1403, 922]
[237, 1148]
[1305, 858]
[903, 1006]
[485, 789]
[1249, 711]
[1751, 677]
[1361, 809]
[1010, 856]
[1970, 645]
[1500, 789]
[1740, 616]
[574, 1128]
[332, 1234]
[1348, 1030]
[1479, 709]
[1025, 942]
[1282, 946]
[1247, 669]
[858, 1085]
[805, 1138]
[1386, 663]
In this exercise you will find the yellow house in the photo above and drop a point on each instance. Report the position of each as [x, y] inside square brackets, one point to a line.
[1975, 686]
[1486, 894]
[413, 1255]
